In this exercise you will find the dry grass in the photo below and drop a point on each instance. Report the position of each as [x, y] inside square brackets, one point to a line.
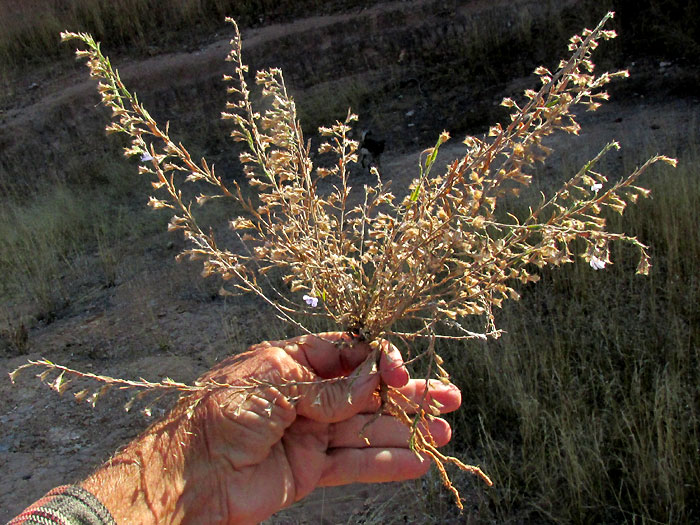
[49, 236]
[587, 410]
[29, 29]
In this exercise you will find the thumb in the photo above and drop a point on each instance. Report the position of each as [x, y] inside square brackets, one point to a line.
[338, 399]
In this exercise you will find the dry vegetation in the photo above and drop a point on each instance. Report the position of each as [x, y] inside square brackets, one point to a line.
[139, 25]
[585, 411]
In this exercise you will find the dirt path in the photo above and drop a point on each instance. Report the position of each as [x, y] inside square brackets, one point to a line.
[181, 68]
[50, 95]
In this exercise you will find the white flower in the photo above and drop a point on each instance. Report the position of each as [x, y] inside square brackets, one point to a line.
[595, 187]
[311, 301]
[596, 263]
[146, 157]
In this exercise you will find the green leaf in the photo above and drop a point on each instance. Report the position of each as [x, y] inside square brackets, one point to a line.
[429, 161]
[415, 193]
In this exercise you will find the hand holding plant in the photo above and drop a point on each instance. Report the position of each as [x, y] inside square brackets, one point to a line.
[227, 455]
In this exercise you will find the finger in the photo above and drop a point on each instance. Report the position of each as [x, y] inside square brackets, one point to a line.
[326, 355]
[366, 430]
[264, 362]
[371, 465]
[342, 398]
[445, 397]
[331, 354]
[391, 365]
[335, 354]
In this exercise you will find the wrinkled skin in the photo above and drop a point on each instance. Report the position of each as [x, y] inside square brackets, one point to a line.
[223, 456]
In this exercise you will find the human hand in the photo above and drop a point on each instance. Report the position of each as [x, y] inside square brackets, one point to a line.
[236, 455]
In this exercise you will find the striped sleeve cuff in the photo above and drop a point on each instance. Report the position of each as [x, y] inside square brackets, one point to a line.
[65, 505]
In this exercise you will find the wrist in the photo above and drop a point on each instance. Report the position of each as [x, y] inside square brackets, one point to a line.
[142, 483]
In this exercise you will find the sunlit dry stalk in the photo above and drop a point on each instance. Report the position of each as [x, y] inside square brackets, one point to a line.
[437, 255]
[63, 379]
[423, 441]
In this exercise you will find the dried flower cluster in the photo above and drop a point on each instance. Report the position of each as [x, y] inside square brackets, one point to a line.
[437, 254]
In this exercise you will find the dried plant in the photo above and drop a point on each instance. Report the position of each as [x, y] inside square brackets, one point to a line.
[432, 258]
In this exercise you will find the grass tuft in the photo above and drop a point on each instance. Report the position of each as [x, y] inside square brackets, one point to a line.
[587, 409]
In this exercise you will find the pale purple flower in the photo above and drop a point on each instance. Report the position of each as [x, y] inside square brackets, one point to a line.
[311, 301]
[595, 187]
[146, 157]
[596, 263]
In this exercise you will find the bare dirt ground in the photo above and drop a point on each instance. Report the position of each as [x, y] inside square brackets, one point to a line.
[161, 319]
